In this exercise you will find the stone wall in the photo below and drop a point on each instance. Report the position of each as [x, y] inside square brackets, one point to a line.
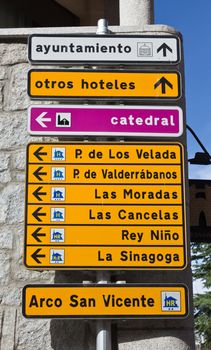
[15, 331]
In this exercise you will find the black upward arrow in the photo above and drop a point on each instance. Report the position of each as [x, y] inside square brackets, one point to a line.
[37, 214]
[37, 193]
[36, 255]
[36, 234]
[163, 82]
[38, 172]
[164, 47]
[38, 153]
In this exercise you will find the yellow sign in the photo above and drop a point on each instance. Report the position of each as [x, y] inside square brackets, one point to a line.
[105, 214]
[109, 153]
[103, 84]
[113, 235]
[105, 174]
[112, 257]
[105, 301]
[90, 203]
[128, 194]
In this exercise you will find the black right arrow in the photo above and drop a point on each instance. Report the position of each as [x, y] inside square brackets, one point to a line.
[38, 172]
[37, 214]
[36, 234]
[163, 82]
[38, 153]
[36, 255]
[164, 47]
[37, 193]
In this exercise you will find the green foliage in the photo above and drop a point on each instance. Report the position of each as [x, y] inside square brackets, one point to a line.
[202, 305]
[201, 262]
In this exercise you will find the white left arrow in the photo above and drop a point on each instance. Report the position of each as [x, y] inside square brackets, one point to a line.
[40, 119]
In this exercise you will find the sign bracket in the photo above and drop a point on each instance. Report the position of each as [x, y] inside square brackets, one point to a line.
[102, 27]
[103, 337]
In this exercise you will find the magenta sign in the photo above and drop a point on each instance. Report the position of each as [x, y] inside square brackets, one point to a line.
[154, 121]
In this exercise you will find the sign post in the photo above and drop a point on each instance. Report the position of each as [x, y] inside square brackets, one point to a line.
[107, 205]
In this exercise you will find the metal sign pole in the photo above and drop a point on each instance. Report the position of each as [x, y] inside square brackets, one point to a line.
[103, 339]
[103, 326]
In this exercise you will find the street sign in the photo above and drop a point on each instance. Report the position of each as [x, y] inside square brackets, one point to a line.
[105, 205]
[112, 301]
[112, 257]
[156, 121]
[133, 235]
[112, 84]
[107, 49]
[123, 193]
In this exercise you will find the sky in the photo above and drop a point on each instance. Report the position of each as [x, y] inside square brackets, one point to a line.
[192, 19]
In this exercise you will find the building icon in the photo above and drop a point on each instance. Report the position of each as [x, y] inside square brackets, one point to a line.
[63, 120]
[57, 256]
[170, 301]
[58, 174]
[57, 235]
[58, 195]
[58, 153]
[57, 214]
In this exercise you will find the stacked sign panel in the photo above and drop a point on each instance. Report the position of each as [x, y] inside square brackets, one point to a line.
[104, 205]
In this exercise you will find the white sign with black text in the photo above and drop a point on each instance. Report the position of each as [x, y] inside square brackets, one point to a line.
[109, 49]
